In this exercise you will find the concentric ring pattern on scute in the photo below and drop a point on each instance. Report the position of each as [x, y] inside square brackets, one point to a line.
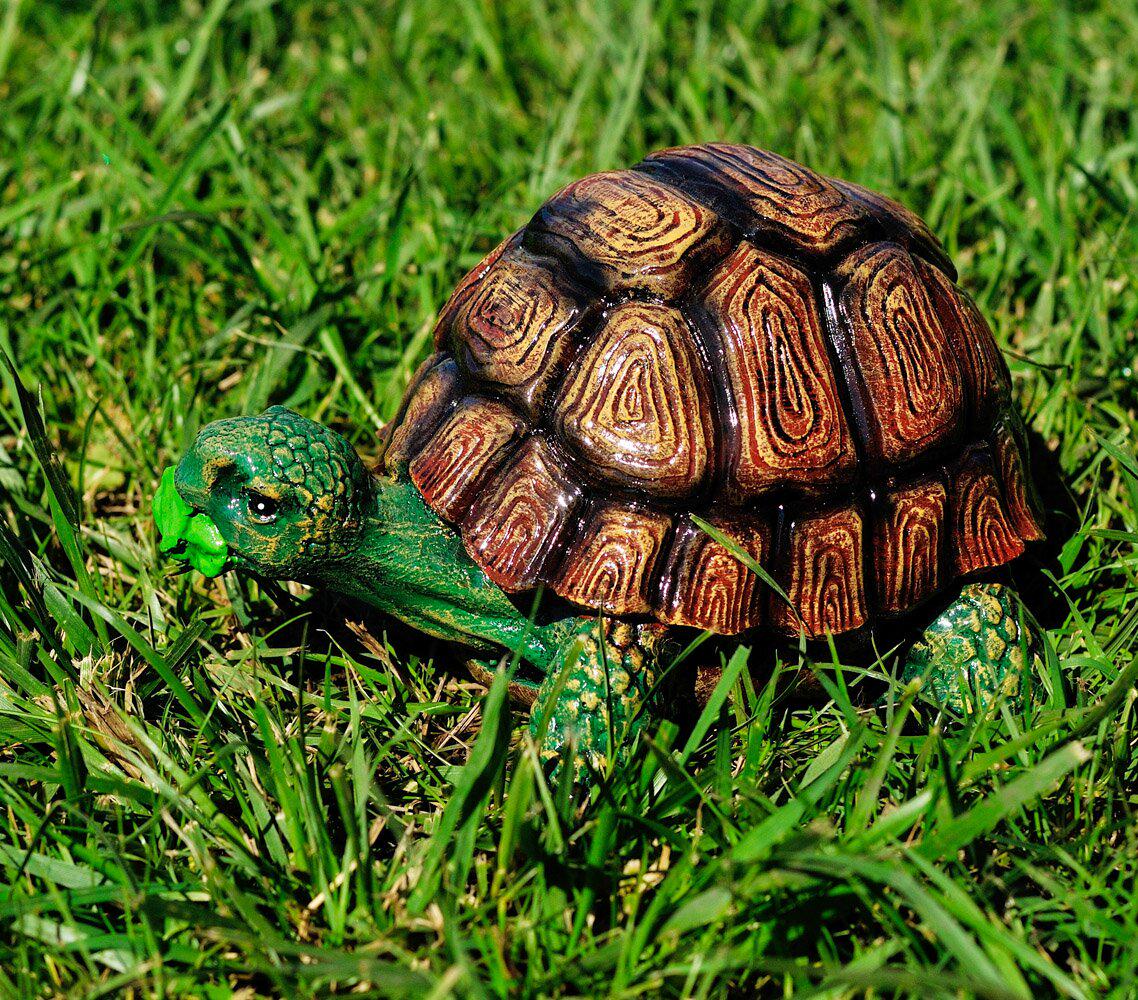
[716, 359]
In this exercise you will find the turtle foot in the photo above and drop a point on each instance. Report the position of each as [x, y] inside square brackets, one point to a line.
[983, 647]
[592, 702]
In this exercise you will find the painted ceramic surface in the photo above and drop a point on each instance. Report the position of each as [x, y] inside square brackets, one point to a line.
[980, 649]
[677, 384]
[720, 333]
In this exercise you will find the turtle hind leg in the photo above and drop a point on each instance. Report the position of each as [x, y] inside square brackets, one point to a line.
[982, 647]
[592, 701]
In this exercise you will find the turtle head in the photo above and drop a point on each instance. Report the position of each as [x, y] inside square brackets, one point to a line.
[277, 494]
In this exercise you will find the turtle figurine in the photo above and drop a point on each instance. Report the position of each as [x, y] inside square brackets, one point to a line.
[713, 392]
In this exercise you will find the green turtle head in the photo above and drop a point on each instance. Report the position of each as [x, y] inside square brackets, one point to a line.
[286, 496]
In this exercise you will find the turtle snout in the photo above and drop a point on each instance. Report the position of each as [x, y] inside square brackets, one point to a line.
[214, 457]
[197, 474]
[189, 481]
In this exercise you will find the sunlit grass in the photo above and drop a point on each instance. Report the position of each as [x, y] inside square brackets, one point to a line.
[205, 789]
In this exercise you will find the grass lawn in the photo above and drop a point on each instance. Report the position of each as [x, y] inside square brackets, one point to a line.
[208, 790]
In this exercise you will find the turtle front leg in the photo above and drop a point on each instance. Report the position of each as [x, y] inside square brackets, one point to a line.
[982, 645]
[591, 703]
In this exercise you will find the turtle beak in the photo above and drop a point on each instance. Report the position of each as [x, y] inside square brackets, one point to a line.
[185, 534]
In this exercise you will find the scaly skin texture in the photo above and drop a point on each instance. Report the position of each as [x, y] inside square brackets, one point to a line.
[979, 647]
[290, 499]
[412, 565]
[321, 489]
[592, 702]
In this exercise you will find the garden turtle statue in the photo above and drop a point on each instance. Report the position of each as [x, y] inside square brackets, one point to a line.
[716, 391]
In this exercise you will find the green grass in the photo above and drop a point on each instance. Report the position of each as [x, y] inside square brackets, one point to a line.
[210, 791]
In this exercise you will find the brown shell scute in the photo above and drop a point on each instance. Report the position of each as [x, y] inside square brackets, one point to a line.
[763, 193]
[467, 285]
[987, 384]
[982, 534]
[1019, 492]
[625, 231]
[515, 326]
[825, 579]
[907, 378]
[791, 428]
[705, 585]
[907, 225]
[455, 462]
[428, 397]
[771, 198]
[909, 538]
[611, 564]
[637, 407]
[521, 519]
[720, 335]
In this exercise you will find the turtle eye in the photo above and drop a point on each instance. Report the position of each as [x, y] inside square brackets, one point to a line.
[261, 507]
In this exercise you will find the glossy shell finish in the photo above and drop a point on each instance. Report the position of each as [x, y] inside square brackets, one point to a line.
[720, 336]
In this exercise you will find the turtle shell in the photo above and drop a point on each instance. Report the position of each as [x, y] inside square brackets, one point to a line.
[719, 357]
